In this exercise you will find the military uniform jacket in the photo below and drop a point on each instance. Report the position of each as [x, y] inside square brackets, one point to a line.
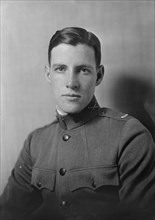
[84, 167]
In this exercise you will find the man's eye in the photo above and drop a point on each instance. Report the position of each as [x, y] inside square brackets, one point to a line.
[84, 70]
[60, 69]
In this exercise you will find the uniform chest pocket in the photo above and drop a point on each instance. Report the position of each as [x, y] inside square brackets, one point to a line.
[93, 178]
[43, 179]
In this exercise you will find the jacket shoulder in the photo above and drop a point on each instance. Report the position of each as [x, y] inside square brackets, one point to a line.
[123, 120]
[43, 132]
[114, 114]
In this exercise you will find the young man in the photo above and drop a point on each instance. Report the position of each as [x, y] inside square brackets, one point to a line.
[91, 162]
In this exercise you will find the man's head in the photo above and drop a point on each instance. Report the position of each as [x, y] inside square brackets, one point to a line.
[75, 36]
[74, 68]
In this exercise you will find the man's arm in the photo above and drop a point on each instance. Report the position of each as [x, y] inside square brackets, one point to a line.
[19, 198]
[137, 170]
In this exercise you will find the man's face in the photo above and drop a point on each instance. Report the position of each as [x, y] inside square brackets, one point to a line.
[73, 75]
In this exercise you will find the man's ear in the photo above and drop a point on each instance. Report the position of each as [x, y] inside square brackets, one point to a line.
[100, 74]
[48, 73]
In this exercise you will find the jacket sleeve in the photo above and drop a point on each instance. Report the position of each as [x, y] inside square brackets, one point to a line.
[19, 198]
[137, 169]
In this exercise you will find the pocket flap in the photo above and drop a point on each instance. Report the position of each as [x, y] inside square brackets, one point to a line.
[42, 178]
[93, 178]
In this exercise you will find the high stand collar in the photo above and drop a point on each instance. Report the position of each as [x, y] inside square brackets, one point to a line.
[71, 121]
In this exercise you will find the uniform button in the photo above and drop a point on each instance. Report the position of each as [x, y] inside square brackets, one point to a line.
[64, 203]
[66, 137]
[39, 184]
[62, 171]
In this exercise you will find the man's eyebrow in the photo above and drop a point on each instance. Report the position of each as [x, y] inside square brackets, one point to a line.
[78, 66]
[57, 64]
[85, 66]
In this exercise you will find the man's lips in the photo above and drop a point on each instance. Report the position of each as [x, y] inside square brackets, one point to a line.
[72, 95]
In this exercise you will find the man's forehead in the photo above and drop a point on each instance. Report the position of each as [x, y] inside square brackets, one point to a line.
[77, 52]
[64, 46]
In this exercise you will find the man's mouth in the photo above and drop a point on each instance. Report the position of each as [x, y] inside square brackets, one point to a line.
[72, 95]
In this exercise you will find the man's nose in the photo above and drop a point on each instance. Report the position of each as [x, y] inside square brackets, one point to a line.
[72, 80]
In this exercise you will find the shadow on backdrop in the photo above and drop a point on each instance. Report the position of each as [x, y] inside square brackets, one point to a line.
[134, 96]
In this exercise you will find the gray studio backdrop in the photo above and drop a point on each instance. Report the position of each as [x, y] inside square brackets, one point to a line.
[126, 30]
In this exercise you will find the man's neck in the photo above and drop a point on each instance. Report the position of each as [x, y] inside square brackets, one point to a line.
[60, 112]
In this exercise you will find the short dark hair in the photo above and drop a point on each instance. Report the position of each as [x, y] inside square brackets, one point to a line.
[75, 36]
